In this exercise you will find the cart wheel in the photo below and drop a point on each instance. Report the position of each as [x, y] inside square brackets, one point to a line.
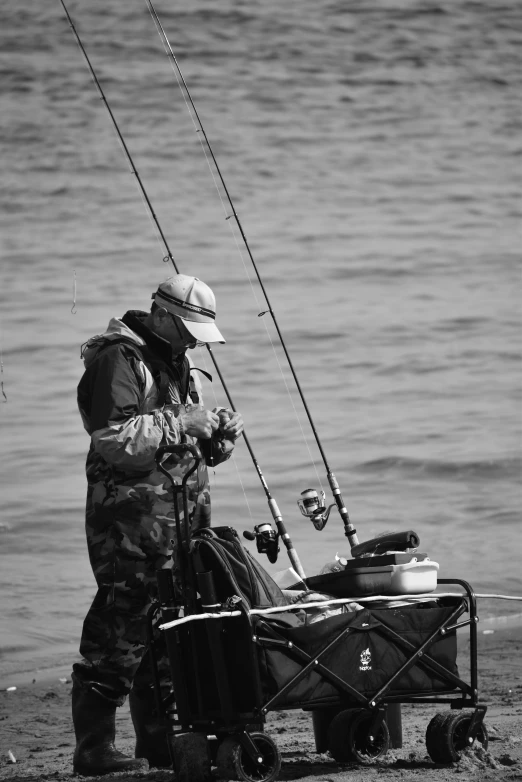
[446, 736]
[234, 763]
[348, 738]
[190, 757]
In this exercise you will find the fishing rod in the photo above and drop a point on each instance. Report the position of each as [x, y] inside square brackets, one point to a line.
[309, 503]
[265, 536]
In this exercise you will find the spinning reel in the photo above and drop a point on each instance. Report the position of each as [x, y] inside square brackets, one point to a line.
[267, 540]
[316, 511]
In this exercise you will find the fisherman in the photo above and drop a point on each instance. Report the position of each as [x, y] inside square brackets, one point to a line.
[139, 391]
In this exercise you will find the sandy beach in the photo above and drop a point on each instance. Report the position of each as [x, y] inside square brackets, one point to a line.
[36, 730]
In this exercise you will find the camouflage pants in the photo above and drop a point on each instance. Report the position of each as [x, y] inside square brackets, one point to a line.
[131, 534]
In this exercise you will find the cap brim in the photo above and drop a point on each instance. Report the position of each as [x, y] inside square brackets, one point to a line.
[204, 332]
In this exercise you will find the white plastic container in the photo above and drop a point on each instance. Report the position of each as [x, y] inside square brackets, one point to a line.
[413, 578]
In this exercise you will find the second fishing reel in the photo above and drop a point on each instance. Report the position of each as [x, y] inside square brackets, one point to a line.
[313, 508]
[267, 540]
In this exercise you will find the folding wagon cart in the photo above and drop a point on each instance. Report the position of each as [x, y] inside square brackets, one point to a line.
[231, 664]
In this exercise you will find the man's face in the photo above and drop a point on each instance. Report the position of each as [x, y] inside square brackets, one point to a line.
[174, 331]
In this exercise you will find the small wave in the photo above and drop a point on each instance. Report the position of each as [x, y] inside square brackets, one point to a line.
[433, 468]
[368, 81]
[300, 335]
[481, 354]
[208, 15]
[379, 272]
[63, 190]
[365, 56]
[27, 350]
[461, 324]
[393, 13]
[506, 517]
[11, 650]
[414, 367]
[502, 622]
[484, 78]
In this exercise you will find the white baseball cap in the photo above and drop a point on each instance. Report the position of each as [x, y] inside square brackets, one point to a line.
[194, 302]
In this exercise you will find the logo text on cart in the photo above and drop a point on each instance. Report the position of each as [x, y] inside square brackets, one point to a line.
[366, 660]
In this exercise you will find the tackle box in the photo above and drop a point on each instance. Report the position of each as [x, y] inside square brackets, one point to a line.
[391, 558]
[411, 577]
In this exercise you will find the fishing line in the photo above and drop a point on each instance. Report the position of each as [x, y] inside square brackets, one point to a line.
[232, 458]
[2, 367]
[305, 439]
[276, 514]
[133, 169]
[349, 529]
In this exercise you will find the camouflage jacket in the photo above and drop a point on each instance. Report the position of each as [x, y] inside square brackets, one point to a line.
[129, 398]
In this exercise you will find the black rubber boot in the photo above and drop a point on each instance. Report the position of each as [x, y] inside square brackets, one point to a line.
[151, 737]
[94, 719]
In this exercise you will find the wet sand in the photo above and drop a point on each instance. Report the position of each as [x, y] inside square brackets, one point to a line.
[35, 727]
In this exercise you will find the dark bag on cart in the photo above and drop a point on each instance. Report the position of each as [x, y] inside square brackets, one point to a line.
[375, 646]
[235, 571]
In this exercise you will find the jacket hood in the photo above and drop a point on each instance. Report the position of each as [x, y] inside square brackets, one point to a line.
[116, 330]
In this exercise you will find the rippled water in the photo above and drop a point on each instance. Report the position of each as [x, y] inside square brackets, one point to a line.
[373, 152]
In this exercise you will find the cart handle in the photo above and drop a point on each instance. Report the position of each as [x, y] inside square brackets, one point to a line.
[187, 578]
[179, 449]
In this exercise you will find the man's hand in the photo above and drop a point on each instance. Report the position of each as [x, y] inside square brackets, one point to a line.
[198, 422]
[230, 423]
